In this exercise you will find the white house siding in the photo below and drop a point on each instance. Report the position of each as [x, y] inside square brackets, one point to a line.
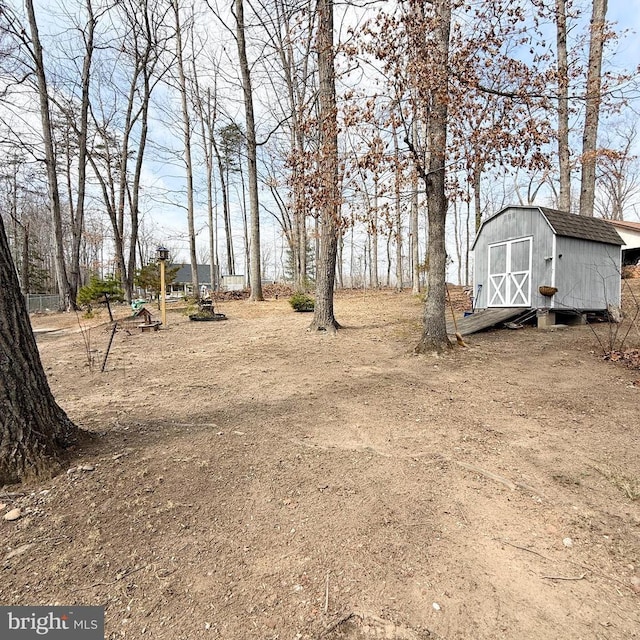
[630, 238]
[587, 274]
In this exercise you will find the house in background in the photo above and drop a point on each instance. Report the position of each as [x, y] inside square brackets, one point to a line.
[524, 252]
[630, 234]
[182, 285]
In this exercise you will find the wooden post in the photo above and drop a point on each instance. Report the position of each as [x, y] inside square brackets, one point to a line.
[163, 295]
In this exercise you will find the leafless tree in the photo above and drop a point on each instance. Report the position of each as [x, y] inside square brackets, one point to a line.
[597, 41]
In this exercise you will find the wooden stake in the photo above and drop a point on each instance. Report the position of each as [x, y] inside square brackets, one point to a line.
[459, 339]
[326, 594]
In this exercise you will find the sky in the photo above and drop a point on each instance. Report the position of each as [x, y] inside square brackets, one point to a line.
[167, 221]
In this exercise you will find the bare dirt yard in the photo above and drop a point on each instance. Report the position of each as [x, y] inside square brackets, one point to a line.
[248, 479]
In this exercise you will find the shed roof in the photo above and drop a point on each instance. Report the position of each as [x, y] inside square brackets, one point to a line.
[583, 227]
[569, 225]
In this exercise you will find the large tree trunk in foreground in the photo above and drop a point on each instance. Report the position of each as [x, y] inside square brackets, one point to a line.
[34, 430]
[323, 318]
[434, 334]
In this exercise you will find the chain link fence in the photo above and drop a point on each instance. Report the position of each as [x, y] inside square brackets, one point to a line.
[39, 303]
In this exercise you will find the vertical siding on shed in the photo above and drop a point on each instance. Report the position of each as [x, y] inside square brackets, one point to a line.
[587, 274]
[511, 224]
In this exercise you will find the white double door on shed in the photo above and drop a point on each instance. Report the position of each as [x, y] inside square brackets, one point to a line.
[510, 273]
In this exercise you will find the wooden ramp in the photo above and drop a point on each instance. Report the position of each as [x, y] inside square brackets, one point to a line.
[484, 319]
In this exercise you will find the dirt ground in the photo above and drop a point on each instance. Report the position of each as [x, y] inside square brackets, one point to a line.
[248, 479]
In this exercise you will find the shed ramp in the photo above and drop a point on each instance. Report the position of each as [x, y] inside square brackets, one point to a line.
[486, 318]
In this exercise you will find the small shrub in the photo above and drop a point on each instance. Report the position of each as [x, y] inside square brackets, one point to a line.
[302, 302]
[98, 290]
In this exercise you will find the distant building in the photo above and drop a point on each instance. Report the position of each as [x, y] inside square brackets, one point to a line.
[233, 283]
[183, 286]
[630, 234]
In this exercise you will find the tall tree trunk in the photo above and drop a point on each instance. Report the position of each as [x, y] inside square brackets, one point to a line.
[205, 113]
[467, 245]
[34, 430]
[389, 261]
[252, 159]
[323, 317]
[212, 214]
[434, 335]
[245, 228]
[477, 204]
[186, 132]
[415, 248]
[375, 277]
[77, 221]
[339, 273]
[226, 213]
[398, 229]
[458, 240]
[592, 113]
[64, 287]
[134, 191]
[564, 201]
[25, 280]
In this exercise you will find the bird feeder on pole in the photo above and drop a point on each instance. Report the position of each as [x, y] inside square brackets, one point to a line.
[162, 253]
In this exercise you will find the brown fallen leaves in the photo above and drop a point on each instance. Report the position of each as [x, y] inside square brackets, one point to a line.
[628, 357]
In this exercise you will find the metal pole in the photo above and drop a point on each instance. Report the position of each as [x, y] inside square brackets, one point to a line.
[163, 295]
[106, 355]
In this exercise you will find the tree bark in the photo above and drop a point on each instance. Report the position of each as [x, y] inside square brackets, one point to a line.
[34, 430]
[398, 221]
[415, 249]
[434, 334]
[564, 201]
[375, 277]
[252, 160]
[323, 317]
[592, 113]
[477, 204]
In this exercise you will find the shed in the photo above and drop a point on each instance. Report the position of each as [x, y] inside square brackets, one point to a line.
[522, 248]
[233, 282]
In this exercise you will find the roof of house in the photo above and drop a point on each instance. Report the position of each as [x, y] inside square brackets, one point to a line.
[184, 273]
[623, 224]
[584, 227]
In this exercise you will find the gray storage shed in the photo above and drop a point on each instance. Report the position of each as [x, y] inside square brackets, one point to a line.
[522, 248]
